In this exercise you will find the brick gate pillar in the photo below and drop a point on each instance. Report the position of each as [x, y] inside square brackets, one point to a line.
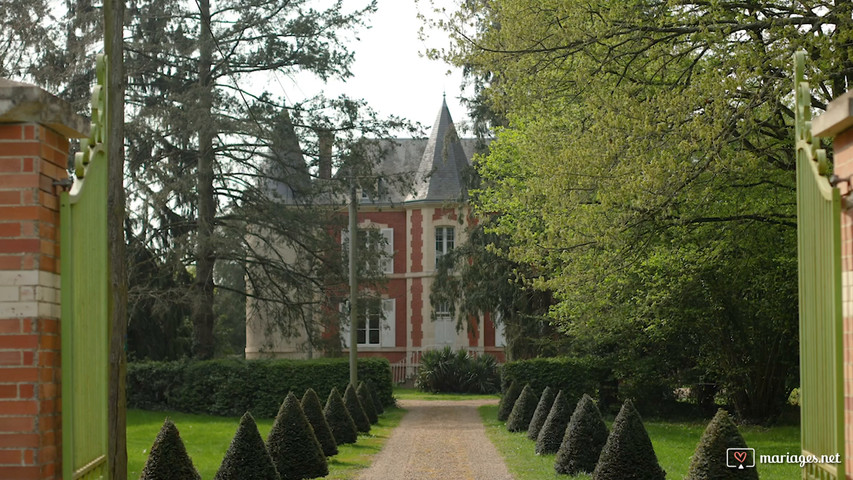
[34, 130]
[837, 123]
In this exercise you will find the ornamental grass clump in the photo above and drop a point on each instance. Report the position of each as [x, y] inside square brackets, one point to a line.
[583, 441]
[356, 409]
[247, 457]
[541, 413]
[292, 444]
[314, 413]
[628, 453]
[340, 421]
[551, 435]
[709, 459]
[367, 402]
[522, 412]
[508, 401]
[168, 459]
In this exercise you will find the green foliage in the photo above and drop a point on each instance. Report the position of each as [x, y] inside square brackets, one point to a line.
[543, 408]
[233, 386]
[356, 409]
[367, 402]
[553, 431]
[522, 411]
[447, 371]
[628, 452]
[292, 444]
[247, 457]
[720, 435]
[168, 459]
[571, 375]
[583, 441]
[340, 421]
[377, 404]
[508, 400]
[314, 413]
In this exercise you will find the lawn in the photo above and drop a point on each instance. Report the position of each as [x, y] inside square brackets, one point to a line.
[207, 439]
[674, 443]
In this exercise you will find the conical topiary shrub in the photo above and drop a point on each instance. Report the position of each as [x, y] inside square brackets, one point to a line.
[362, 423]
[367, 402]
[314, 413]
[377, 404]
[522, 412]
[292, 444]
[541, 413]
[585, 436]
[551, 435]
[508, 401]
[628, 453]
[709, 459]
[340, 421]
[168, 459]
[247, 458]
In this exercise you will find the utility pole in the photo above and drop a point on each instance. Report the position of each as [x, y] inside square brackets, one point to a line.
[353, 284]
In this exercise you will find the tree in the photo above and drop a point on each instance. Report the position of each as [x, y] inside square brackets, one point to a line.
[720, 435]
[314, 413]
[356, 410]
[522, 411]
[508, 401]
[543, 408]
[641, 134]
[168, 459]
[340, 421]
[583, 441]
[292, 444]
[247, 456]
[553, 431]
[628, 452]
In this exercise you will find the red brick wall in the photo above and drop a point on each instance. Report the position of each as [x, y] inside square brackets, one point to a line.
[31, 158]
[417, 241]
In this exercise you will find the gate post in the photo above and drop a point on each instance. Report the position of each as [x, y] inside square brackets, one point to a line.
[837, 123]
[35, 127]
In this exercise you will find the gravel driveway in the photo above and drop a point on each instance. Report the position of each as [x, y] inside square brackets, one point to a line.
[439, 439]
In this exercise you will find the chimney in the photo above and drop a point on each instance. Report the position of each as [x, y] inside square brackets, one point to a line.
[325, 140]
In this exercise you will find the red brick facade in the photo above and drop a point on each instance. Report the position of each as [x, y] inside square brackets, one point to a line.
[32, 157]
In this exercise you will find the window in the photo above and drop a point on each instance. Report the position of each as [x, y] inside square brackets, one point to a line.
[369, 325]
[376, 326]
[444, 238]
[377, 243]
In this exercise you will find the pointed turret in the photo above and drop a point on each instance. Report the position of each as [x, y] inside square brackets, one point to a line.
[440, 175]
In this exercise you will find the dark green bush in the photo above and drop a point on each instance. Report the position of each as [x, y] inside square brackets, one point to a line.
[377, 404]
[367, 402]
[522, 412]
[340, 421]
[356, 409]
[457, 372]
[551, 435]
[314, 413]
[708, 462]
[571, 375]
[293, 446]
[541, 413]
[168, 459]
[583, 441]
[233, 386]
[247, 458]
[628, 453]
[508, 401]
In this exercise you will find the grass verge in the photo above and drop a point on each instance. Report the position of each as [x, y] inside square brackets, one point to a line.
[674, 443]
[207, 439]
[414, 394]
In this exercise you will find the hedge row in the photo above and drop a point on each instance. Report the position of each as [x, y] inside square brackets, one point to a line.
[230, 387]
[571, 375]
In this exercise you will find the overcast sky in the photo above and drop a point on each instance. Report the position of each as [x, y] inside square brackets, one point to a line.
[390, 72]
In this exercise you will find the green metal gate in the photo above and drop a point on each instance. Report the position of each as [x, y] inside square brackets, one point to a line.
[821, 334]
[85, 291]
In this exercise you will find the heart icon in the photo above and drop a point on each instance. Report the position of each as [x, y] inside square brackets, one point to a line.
[740, 456]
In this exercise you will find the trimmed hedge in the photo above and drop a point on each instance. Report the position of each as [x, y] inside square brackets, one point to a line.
[314, 412]
[356, 410]
[230, 387]
[168, 459]
[583, 441]
[293, 447]
[366, 400]
[574, 376]
[551, 435]
[247, 457]
[340, 421]
[628, 453]
[541, 413]
[508, 401]
[522, 412]
[720, 435]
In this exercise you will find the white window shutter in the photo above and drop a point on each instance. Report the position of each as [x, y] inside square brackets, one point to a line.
[388, 262]
[387, 332]
[500, 334]
[344, 324]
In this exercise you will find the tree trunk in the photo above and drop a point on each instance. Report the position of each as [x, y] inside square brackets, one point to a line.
[202, 292]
